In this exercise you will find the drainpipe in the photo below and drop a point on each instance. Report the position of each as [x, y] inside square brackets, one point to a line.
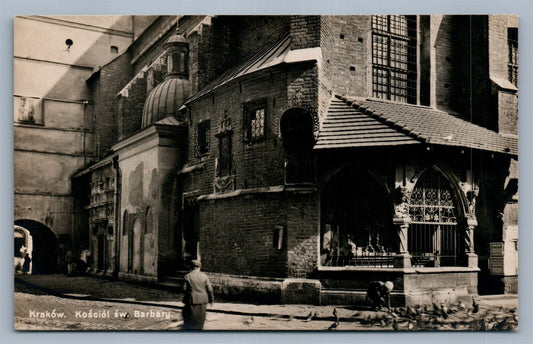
[117, 217]
[85, 103]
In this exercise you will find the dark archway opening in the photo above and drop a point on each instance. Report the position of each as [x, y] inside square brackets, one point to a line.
[191, 231]
[356, 221]
[45, 247]
[298, 140]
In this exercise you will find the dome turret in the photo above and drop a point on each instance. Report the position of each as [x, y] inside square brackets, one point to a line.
[167, 97]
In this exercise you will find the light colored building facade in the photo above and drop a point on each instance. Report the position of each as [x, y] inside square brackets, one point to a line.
[54, 120]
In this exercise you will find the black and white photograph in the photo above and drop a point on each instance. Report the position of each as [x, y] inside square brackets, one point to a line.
[266, 172]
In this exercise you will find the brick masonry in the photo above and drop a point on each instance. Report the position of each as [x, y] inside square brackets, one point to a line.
[109, 81]
[238, 223]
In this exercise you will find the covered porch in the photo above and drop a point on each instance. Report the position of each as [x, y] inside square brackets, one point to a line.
[398, 199]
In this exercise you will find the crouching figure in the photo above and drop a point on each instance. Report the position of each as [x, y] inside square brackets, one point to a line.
[378, 294]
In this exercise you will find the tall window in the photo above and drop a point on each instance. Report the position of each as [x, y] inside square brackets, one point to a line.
[512, 41]
[394, 57]
[125, 223]
[298, 140]
[254, 120]
[148, 221]
[203, 130]
[433, 237]
[224, 156]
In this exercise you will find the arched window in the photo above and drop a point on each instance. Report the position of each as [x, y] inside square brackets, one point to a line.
[125, 223]
[148, 221]
[433, 238]
[356, 221]
[298, 140]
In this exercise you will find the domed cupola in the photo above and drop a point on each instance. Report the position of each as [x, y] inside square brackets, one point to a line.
[167, 97]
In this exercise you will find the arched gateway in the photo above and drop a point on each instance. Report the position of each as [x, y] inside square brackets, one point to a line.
[45, 246]
[356, 221]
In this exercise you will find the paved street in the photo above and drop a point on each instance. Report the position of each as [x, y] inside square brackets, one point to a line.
[57, 302]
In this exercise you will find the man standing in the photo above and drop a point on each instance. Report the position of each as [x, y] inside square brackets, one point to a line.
[198, 292]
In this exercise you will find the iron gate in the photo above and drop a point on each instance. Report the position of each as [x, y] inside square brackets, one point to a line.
[433, 237]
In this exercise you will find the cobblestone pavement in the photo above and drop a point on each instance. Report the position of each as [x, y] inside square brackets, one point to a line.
[89, 303]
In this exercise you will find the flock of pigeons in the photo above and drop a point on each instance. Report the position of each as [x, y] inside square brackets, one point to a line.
[435, 317]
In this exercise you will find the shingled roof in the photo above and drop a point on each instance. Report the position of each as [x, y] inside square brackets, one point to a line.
[274, 55]
[388, 122]
[346, 126]
[263, 59]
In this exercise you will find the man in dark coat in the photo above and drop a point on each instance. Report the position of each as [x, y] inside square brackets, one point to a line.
[198, 292]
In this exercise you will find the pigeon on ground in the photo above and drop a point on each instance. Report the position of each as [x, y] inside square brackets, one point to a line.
[336, 315]
[369, 320]
[475, 305]
[498, 326]
[310, 316]
[395, 326]
[333, 326]
[483, 326]
[410, 311]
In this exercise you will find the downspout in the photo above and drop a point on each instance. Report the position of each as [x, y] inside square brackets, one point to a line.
[85, 103]
[117, 217]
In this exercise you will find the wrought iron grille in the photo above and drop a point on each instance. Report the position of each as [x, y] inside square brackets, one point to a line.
[394, 57]
[433, 236]
[365, 259]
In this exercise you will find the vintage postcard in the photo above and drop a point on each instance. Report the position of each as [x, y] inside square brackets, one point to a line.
[273, 172]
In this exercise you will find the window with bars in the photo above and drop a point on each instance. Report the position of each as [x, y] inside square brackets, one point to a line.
[254, 120]
[512, 41]
[433, 237]
[203, 130]
[394, 57]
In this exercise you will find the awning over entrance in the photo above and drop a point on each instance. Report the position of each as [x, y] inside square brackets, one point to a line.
[352, 122]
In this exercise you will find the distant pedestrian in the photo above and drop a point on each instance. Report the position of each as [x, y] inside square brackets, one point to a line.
[198, 293]
[26, 265]
[378, 294]
[69, 261]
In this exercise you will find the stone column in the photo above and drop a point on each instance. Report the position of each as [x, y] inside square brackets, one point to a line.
[402, 259]
[472, 260]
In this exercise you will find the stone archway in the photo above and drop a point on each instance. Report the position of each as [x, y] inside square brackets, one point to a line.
[45, 246]
[435, 236]
[356, 221]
